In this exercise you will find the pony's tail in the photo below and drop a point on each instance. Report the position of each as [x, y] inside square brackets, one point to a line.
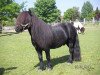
[77, 52]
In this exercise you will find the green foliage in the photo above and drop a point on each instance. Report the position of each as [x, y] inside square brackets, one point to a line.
[8, 23]
[71, 14]
[46, 10]
[87, 10]
[23, 6]
[90, 15]
[5, 2]
[8, 10]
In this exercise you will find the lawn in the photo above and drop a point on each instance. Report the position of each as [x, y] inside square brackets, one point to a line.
[18, 56]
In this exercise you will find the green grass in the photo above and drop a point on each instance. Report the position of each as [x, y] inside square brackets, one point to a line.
[18, 54]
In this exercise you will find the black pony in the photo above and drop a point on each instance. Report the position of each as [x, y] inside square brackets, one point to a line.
[46, 37]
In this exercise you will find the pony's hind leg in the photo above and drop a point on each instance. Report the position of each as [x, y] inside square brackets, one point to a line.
[47, 51]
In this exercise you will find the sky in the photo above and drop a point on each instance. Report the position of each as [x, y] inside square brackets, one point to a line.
[63, 5]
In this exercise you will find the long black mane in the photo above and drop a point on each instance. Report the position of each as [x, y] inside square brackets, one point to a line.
[41, 32]
[45, 37]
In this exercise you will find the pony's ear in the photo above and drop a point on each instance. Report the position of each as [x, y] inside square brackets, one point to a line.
[29, 11]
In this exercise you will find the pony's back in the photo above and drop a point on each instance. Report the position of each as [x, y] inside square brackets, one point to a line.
[61, 33]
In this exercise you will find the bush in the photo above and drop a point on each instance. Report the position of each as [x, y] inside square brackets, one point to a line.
[8, 23]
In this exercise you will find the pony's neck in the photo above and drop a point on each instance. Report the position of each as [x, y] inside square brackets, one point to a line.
[38, 27]
[37, 22]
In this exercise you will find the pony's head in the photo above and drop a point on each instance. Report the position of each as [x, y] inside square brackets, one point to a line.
[82, 30]
[23, 21]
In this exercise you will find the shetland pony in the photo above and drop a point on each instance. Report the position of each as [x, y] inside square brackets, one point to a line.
[45, 37]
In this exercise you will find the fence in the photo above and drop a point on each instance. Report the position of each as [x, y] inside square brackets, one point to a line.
[84, 22]
[9, 29]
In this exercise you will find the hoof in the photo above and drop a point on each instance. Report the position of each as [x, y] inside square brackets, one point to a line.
[42, 68]
[69, 61]
[49, 67]
[77, 59]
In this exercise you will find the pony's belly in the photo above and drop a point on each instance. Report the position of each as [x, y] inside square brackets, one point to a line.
[57, 44]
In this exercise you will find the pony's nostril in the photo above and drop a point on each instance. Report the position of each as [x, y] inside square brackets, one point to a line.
[16, 29]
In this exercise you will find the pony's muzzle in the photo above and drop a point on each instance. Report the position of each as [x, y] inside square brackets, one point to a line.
[18, 29]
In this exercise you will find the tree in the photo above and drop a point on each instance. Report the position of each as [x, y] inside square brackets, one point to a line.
[87, 10]
[8, 10]
[97, 14]
[23, 6]
[46, 10]
[71, 14]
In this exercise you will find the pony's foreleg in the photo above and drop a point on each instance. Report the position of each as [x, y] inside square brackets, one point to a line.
[77, 52]
[49, 66]
[42, 66]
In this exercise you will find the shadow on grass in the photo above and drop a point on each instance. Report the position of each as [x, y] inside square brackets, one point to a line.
[56, 61]
[7, 34]
[2, 70]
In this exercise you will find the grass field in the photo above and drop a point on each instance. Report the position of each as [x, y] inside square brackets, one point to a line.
[20, 58]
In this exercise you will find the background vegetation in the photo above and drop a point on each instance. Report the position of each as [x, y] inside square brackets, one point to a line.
[8, 11]
[47, 11]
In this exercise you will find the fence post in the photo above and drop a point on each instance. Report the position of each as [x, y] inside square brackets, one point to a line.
[93, 20]
[84, 20]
